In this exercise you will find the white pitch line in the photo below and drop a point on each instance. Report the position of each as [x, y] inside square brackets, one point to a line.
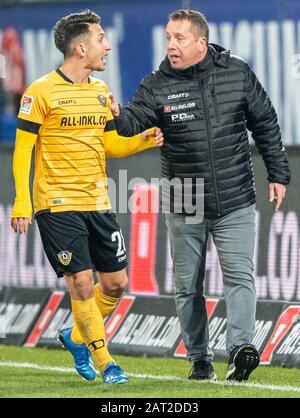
[158, 377]
[222, 383]
[37, 367]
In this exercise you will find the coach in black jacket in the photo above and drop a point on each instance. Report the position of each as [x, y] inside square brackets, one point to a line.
[204, 100]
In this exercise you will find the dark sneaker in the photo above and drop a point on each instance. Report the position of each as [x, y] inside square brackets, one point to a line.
[202, 370]
[242, 361]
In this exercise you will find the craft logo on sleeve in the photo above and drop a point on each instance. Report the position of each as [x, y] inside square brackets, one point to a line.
[26, 104]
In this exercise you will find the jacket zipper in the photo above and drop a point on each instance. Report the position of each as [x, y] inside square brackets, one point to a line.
[214, 98]
[210, 148]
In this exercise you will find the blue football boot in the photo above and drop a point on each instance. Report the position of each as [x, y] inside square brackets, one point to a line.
[81, 354]
[113, 374]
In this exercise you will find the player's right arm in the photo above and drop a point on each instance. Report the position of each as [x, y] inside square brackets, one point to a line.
[22, 210]
[31, 115]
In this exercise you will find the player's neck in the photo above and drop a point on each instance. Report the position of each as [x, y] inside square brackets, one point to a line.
[75, 73]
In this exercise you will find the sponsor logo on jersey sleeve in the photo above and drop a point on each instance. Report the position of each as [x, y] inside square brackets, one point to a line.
[26, 104]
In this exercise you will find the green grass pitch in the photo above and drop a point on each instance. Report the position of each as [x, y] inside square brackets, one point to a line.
[41, 373]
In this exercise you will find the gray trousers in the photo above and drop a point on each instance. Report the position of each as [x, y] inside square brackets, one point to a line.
[234, 237]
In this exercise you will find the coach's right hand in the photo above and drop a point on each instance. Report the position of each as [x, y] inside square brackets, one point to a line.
[20, 225]
[114, 106]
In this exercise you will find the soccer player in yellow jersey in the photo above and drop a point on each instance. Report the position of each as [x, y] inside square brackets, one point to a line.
[66, 116]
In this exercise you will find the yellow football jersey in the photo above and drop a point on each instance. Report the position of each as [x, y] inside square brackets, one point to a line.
[70, 124]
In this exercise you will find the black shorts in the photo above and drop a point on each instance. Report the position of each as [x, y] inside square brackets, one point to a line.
[77, 241]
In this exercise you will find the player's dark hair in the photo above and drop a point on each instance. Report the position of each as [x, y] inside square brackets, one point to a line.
[197, 19]
[71, 26]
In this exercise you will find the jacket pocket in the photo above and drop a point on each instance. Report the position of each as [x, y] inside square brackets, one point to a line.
[215, 103]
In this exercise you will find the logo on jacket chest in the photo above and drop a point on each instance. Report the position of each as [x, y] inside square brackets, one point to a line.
[184, 95]
[183, 106]
[182, 117]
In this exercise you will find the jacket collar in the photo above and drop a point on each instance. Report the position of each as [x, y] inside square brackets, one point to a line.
[216, 55]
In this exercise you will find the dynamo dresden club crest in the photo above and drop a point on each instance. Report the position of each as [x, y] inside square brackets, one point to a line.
[65, 257]
[102, 99]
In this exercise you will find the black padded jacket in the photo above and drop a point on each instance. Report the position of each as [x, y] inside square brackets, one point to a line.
[204, 112]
